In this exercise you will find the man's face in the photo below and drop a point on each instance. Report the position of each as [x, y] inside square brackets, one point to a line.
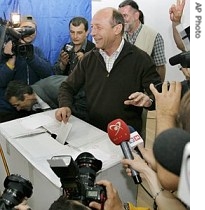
[30, 38]
[78, 34]
[26, 104]
[102, 31]
[130, 16]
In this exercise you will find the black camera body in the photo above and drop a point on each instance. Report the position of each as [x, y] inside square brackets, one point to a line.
[8, 32]
[16, 189]
[78, 177]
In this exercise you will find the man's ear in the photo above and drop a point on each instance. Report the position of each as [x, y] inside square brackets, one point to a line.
[118, 29]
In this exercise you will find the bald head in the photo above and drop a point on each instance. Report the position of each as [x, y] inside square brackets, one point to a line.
[107, 29]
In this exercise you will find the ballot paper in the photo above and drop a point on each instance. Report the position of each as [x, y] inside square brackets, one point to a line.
[36, 124]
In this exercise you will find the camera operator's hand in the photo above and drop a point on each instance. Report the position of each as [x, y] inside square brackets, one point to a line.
[8, 48]
[113, 201]
[64, 59]
[23, 206]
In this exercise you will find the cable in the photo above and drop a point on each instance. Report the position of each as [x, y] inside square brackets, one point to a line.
[4, 161]
[146, 190]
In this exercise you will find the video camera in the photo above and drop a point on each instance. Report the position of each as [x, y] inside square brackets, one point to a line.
[78, 177]
[181, 58]
[8, 32]
[16, 189]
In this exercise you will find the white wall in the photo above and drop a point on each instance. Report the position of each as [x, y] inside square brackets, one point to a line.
[156, 13]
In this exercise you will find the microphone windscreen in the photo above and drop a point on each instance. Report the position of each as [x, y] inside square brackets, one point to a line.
[118, 131]
[168, 148]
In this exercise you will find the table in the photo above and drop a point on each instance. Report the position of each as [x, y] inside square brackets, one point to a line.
[28, 156]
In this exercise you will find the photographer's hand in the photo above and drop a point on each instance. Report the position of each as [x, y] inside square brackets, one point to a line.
[64, 59]
[23, 205]
[8, 51]
[113, 201]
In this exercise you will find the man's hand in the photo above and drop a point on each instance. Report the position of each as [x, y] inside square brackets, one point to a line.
[176, 11]
[138, 99]
[113, 201]
[64, 59]
[167, 104]
[63, 114]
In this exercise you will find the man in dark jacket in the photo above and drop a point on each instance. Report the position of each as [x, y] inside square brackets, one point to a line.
[116, 76]
[74, 51]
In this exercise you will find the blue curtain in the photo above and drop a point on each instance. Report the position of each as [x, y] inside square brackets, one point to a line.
[52, 17]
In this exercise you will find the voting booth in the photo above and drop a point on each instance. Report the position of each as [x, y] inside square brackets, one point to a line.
[28, 145]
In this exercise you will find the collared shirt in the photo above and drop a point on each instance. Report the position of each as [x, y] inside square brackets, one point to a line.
[40, 104]
[109, 60]
[132, 37]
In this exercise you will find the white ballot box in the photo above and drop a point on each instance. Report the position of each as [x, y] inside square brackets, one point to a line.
[28, 144]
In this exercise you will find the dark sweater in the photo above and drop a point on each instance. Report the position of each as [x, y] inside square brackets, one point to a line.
[133, 71]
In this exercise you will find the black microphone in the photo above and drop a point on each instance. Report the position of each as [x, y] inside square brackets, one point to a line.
[119, 134]
[181, 58]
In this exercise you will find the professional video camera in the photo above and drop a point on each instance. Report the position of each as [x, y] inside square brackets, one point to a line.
[181, 58]
[16, 189]
[8, 32]
[77, 177]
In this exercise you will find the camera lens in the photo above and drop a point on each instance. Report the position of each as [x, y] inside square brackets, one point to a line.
[16, 189]
[88, 167]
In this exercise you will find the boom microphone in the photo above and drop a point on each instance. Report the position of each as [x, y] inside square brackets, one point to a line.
[119, 134]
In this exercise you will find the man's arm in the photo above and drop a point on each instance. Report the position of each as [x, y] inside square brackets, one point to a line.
[162, 71]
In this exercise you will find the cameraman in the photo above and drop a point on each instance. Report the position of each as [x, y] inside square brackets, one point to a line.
[113, 201]
[17, 67]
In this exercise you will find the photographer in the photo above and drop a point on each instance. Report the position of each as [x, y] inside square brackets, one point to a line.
[29, 67]
[70, 54]
[113, 201]
[73, 51]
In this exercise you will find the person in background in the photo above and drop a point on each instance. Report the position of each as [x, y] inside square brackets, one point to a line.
[141, 35]
[42, 95]
[116, 75]
[146, 38]
[70, 54]
[14, 66]
[74, 51]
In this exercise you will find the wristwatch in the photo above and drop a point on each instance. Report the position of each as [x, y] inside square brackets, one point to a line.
[126, 206]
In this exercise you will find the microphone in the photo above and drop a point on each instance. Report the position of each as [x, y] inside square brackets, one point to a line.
[181, 58]
[119, 134]
[135, 140]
